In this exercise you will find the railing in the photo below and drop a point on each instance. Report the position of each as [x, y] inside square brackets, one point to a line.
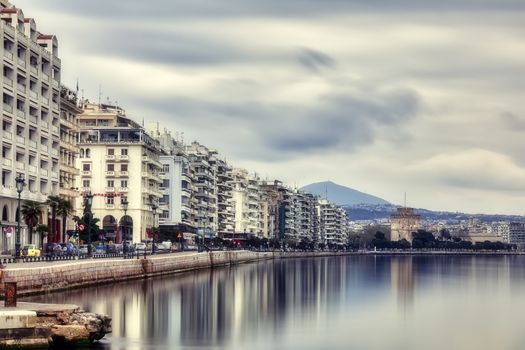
[33, 119]
[32, 168]
[54, 175]
[110, 157]
[44, 148]
[33, 94]
[8, 55]
[21, 62]
[45, 77]
[110, 206]
[7, 162]
[32, 144]
[21, 87]
[44, 124]
[123, 173]
[54, 151]
[123, 189]
[45, 100]
[20, 166]
[20, 114]
[123, 157]
[8, 135]
[110, 173]
[34, 70]
[20, 140]
[86, 172]
[55, 129]
[43, 172]
[110, 189]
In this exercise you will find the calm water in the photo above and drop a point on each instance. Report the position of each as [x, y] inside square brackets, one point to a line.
[324, 303]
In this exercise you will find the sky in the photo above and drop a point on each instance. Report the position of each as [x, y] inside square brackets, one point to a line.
[384, 96]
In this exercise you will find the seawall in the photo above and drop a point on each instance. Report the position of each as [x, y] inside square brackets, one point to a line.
[37, 278]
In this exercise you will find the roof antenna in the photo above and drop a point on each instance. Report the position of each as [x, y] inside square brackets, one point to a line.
[405, 199]
[99, 94]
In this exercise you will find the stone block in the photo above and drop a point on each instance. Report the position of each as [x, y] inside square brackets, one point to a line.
[12, 319]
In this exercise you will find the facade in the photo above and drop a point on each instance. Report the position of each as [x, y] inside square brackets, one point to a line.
[204, 162]
[246, 202]
[402, 223]
[333, 224]
[69, 110]
[272, 194]
[225, 211]
[30, 118]
[515, 233]
[118, 160]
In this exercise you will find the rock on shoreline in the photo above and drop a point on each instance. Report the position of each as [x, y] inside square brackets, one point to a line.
[59, 326]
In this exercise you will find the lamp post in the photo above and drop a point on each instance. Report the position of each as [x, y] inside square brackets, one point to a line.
[125, 204]
[154, 210]
[20, 183]
[88, 202]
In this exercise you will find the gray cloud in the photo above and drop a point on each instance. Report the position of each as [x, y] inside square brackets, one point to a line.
[314, 60]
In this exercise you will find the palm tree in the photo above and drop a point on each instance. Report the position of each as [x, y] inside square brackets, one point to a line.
[64, 208]
[43, 230]
[31, 213]
[53, 202]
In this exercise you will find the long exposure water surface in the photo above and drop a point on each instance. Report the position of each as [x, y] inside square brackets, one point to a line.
[357, 302]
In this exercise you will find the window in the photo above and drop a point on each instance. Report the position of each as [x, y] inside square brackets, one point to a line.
[86, 183]
[86, 166]
[88, 153]
[123, 199]
[165, 168]
[111, 167]
[165, 199]
[81, 153]
[111, 151]
[111, 183]
[123, 183]
[124, 152]
[110, 200]
[123, 167]
[166, 183]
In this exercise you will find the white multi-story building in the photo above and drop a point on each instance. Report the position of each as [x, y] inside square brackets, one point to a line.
[204, 162]
[225, 210]
[333, 223]
[30, 117]
[119, 160]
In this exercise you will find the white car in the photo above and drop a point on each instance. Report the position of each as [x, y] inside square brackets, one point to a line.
[140, 247]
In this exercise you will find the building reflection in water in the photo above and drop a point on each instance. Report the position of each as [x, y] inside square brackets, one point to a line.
[246, 303]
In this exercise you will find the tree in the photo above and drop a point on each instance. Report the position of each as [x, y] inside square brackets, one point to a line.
[31, 214]
[53, 202]
[64, 208]
[42, 230]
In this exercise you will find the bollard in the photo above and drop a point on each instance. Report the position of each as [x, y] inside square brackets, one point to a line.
[10, 294]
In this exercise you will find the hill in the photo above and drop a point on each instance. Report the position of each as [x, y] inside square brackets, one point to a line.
[342, 195]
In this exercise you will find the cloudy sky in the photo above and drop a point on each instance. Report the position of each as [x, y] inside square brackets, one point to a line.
[384, 96]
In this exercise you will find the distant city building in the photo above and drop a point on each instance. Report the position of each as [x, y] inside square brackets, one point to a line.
[516, 233]
[402, 223]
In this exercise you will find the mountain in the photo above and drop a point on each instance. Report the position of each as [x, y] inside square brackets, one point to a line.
[342, 195]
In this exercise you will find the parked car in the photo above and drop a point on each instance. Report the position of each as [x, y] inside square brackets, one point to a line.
[53, 249]
[68, 249]
[30, 250]
[128, 247]
[140, 247]
[111, 249]
[83, 249]
[163, 247]
[101, 249]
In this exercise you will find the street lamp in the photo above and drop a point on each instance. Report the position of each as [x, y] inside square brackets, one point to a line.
[20, 183]
[88, 202]
[125, 204]
[154, 210]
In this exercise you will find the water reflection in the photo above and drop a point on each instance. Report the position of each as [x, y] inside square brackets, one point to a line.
[301, 304]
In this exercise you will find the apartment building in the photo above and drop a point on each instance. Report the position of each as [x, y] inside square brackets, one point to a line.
[119, 161]
[225, 210]
[333, 224]
[30, 117]
[69, 110]
[272, 194]
[204, 162]
[246, 203]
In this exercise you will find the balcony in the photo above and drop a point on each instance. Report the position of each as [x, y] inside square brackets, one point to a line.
[123, 173]
[34, 70]
[110, 189]
[45, 77]
[7, 135]
[54, 152]
[44, 124]
[8, 108]
[20, 166]
[85, 173]
[44, 148]
[7, 162]
[56, 83]
[123, 158]
[33, 119]
[20, 140]
[8, 82]
[21, 88]
[110, 206]
[43, 172]
[55, 129]
[20, 114]
[33, 94]
[8, 55]
[21, 62]
[110, 157]
[32, 169]
[110, 173]
[54, 175]
[123, 189]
